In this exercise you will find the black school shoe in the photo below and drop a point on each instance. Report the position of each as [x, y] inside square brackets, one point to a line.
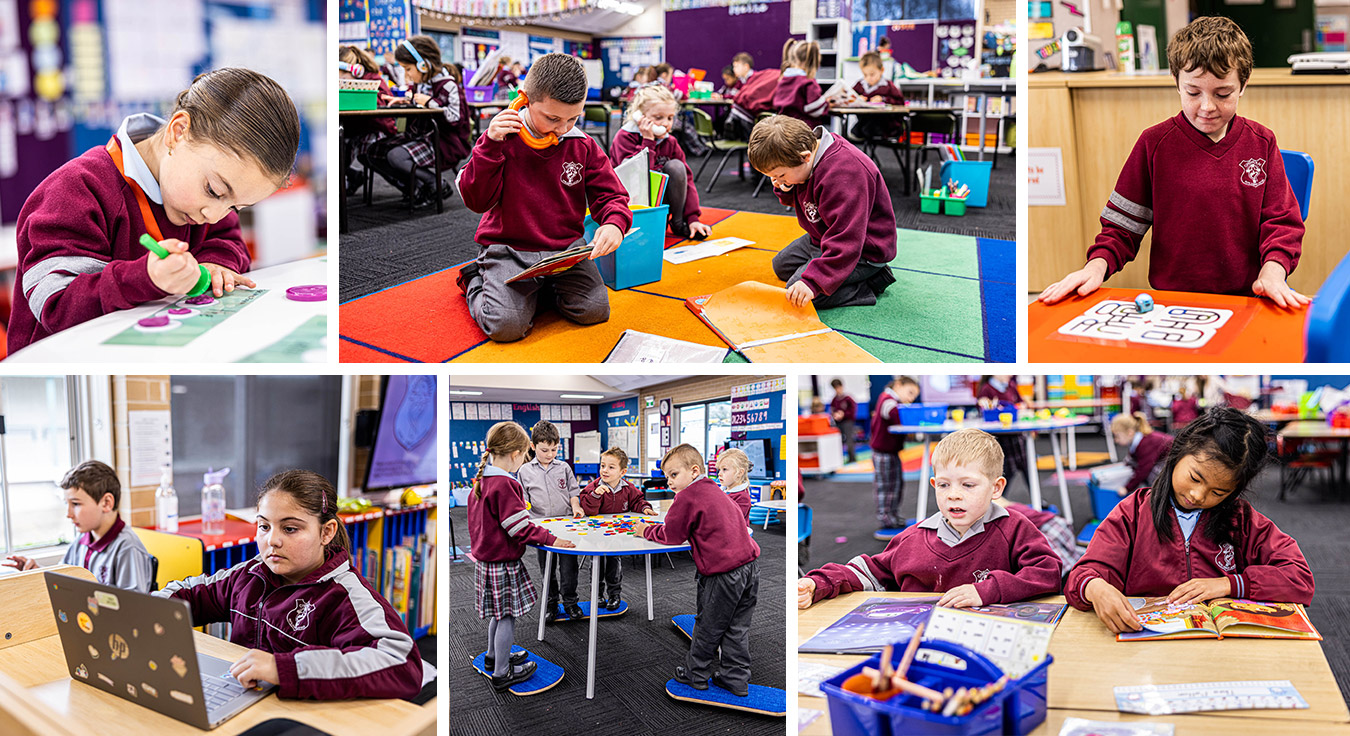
[682, 676]
[517, 659]
[574, 611]
[740, 692]
[880, 280]
[613, 601]
[514, 677]
[467, 273]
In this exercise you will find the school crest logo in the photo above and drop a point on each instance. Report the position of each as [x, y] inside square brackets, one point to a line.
[1253, 172]
[571, 173]
[298, 618]
[1225, 558]
[981, 576]
[562, 484]
[812, 214]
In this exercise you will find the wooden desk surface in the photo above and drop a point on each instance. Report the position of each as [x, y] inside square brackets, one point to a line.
[1269, 334]
[34, 673]
[1259, 78]
[1079, 682]
[1314, 429]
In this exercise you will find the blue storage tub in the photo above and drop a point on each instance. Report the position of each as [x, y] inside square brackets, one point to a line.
[1017, 709]
[926, 413]
[974, 174]
[991, 415]
[1103, 499]
[638, 261]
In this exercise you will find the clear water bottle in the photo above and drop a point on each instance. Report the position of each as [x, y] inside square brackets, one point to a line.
[166, 502]
[213, 501]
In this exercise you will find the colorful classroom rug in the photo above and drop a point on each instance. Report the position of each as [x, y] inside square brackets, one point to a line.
[1085, 459]
[953, 301]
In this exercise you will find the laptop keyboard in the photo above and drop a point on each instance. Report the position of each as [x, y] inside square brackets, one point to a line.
[220, 690]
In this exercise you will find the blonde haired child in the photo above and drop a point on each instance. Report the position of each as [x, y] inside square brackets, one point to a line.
[733, 474]
[647, 125]
[798, 94]
[1148, 449]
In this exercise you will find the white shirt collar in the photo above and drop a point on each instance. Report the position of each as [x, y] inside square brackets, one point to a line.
[136, 128]
[492, 470]
[1135, 442]
[948, 536]
[826, 140]
[739, 488]
[793, 71]
[871, 88]
[999, 384]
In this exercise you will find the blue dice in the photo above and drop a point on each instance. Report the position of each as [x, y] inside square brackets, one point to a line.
[1144, 303]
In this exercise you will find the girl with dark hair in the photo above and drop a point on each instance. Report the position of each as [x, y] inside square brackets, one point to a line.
[1192, 536]
[313, 625]
[990, 393]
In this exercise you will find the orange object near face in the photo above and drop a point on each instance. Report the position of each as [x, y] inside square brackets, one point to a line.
[532, 140]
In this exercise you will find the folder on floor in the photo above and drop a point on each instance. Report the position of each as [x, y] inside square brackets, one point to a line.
[758, 322]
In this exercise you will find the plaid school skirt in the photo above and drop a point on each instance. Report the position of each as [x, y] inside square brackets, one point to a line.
[504, 589]
[416, 143]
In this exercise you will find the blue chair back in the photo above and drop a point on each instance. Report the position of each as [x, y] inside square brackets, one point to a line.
[1329, 318]
[803, 522]
[1298, 166]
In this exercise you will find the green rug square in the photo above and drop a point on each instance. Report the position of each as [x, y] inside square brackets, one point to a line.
[954, 255]
[920, 309]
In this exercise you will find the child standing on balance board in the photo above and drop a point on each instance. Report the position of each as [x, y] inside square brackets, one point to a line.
[552, 491]
[534, 202]
[1210, 184]
[728, 572]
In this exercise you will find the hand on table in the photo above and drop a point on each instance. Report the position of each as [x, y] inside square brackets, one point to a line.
[1270, 284]
[607, 239]
[650, 511]
[1111, 606]
[255, 665]
[1200, 589]
[799, 294]
[505, 123]
[1084, 281]
[806, 592]
[420, 99]
[19, 562]
[876, 98]
[176, 274]
[224, 279]
[565, 544]
[962, 596]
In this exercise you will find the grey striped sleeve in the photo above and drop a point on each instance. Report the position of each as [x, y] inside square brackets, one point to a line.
[515, 522]
[1110, 215]
[1130, 208]
[391, 647]
[51, 276]
[858, 566]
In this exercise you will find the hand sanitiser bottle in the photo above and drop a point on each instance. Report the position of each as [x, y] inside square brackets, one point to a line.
[166, 502]
[213, 501]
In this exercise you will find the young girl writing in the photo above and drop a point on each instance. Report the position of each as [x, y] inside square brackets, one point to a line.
[649, 121]
[499, 527]
[434, 85]
[230, 142]
[611, 493]
[314, 626]
[798, 94]
[733, 474]
[1193, 536]
[1148, 449]
[361, 133]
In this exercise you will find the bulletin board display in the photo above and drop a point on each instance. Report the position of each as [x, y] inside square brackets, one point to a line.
[757, 413]
[621, 426]
[1058, 388]
[620, 58]
[707, 38]
[912, 42]
[387, 23]
[471, 420]
[946, 389]
[957, 45]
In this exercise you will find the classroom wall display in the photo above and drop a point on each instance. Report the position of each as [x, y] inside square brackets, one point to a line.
[956, 46]
[471, 420]
[757, 413]
[622, 57]
[621, 422]
[388, 22]
[947, 389]
[912, 42]
[35, 113]
[758, 28]
[352, 25]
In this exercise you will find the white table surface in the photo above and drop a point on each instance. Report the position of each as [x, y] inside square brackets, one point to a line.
[256, 326]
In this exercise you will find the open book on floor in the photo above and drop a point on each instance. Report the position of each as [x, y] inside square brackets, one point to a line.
[758, 322]
[1221, 618]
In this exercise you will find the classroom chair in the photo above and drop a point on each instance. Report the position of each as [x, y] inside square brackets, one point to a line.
[1304, 462]
[928, 123]
[703, 127]
[1329, 318]
[1298, 166]
[176, 556]
[762, 178]
[597, 114]
[804, 515]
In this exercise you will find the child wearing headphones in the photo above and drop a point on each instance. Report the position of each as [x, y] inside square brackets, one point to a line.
[355, 62]
[435, 85]
[532, 175]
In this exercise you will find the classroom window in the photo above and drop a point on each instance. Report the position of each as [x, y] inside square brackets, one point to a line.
[38, 450]
[883, 10]
[706, 426]
[254, 425]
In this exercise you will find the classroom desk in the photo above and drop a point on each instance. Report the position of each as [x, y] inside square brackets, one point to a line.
[1259, 332]
[1027, 429]
[1094, 118]
[37, 692]
[1317, 431]
[771, 509]
[1105, 417]
[596, 545]
[435, 115]
[270, 319]
[1079, 685]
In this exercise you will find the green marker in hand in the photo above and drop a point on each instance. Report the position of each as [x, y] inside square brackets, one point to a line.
[203, 280]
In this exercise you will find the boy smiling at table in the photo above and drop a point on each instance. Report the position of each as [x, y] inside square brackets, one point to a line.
[972, 551]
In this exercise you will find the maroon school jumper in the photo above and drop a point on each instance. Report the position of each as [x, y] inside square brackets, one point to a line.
[505, 79]
[1009, 561]
[307, 625]
[1266, 564]
[712, 524]
[627, 143]
[846, 209]
[626, 498]
[800, 96]
[890, 94]
[83, 222]
[756, 94]
[1219, 211]
[1009, 394]
[536, 200]
[1184, 411]
[1150, 451]
[499, 523]
[886, 415]
[845, 403]
[742, 500]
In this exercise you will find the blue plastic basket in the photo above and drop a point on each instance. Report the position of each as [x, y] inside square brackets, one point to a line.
[1017, 709]
[1103, 499]
[912, 414]
[638, 261]
[974, 174]
[1004, 407]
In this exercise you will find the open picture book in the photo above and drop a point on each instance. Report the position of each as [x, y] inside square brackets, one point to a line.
[1219, 619]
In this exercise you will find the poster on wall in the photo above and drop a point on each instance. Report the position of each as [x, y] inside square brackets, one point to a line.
[389, 21]
[956, 48]
[1045, 177]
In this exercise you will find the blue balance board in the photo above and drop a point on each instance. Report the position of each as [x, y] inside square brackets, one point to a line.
[586, 609]
[769, 701]
[546, 674]
[685, 623]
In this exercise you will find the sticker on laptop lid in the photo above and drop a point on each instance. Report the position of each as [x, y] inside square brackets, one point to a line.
[149, 690]
[82, 672]
[107, 600]
[181, 697]
[93, 652]
[179, 666]
[61, 615]
[92, 603]
[131, 690]
[86, 624]
[107, 679]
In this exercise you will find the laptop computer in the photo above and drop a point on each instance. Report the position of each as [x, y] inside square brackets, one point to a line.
[140, 648]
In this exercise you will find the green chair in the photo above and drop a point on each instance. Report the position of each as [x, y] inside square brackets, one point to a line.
[930, 122]
[598, 114]
[703, 127]
[762, 178]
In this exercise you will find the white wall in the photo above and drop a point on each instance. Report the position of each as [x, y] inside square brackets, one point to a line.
[650, 23]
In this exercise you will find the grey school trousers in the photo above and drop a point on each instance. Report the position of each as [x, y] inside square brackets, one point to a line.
[726, 602]
[860, 289]
[506, 311]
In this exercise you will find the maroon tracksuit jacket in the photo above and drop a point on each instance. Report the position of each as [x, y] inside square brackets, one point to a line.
[628, 142]
[1151, 450]
[712, 524]
[626, 498]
